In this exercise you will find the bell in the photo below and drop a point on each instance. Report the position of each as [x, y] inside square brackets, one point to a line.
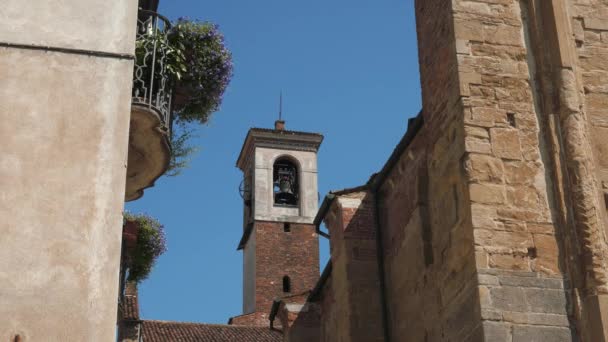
[285, 186]
[285, 194]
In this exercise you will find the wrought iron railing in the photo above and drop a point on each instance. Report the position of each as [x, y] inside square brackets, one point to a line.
[151, 82]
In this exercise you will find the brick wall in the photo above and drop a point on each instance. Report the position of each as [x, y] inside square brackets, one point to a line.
[278, 253]
[350, 305]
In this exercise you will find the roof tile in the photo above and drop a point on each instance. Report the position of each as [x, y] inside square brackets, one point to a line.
[163, 331]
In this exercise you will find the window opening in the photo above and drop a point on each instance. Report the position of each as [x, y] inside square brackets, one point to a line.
[285, 183]
[286, 227]
[286, 284]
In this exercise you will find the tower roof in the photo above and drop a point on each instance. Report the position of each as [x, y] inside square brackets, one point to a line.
[278, 139]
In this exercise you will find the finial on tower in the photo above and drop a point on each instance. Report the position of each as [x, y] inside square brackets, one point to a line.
[279, 125]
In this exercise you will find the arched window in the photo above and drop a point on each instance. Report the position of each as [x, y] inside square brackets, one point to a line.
[285, 182]
[286, 284]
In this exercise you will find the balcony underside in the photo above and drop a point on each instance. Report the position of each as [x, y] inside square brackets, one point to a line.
[149, 151]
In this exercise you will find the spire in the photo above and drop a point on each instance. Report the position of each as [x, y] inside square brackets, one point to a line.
[279, 125]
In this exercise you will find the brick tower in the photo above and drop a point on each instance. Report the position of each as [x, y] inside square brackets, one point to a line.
[279, 243]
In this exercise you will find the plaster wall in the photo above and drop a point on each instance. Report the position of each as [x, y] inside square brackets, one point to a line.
[64, 129]
[107, 26]
[264, 209]
[249, 274]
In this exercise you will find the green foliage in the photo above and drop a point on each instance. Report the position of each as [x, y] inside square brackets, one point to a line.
[150, 245]
[208, 67]
[199, 68]
[181, 150]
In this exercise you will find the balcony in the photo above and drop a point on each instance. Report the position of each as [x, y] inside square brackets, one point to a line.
[150, 127]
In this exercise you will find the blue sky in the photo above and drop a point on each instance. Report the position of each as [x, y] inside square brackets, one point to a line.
[347, 68]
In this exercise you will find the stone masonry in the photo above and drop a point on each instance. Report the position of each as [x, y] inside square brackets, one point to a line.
[490, 216]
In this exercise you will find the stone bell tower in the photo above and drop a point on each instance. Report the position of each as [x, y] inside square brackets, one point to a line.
[279, 243]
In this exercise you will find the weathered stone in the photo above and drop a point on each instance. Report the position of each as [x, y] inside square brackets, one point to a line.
[477, 132]
[483, 216]
[519, 172]
[523, 197]
[489, 238]
[514, 226]
[487, 279]
[487, 193]
[547, 260]
[546, 300]
[508, 299]
[463, 46]
[491, 315]
[505, 143]
[503, 35]
[519, 214]
[596, 24]
[475, 145]
[524, 333]
[498, 332]
[547, 283]
[509, 262]
[484, 168]
[536, 319]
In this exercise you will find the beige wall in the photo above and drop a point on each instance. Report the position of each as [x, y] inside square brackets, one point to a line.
[63, 155]
[263, 187]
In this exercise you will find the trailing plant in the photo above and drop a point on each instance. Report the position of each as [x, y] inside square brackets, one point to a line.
[181, 150]
[150, 245]
[199, 68]
[203, 69]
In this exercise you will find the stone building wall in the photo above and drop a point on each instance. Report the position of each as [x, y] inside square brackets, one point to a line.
[65, 107]
[350, 303]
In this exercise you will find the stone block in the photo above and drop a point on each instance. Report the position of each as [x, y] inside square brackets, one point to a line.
[476, 145]
[483, 216]
[547, 260]
[487, 279]
[519, 172]
[541, 228]
[536, 319]
[505, 143]
[477, 132]
[497, 332]
[526, 333]
[491, 315]
[485, 116]
[508, 298]
[503, 35]
[546, 301]
[545, 283]
[487, 193]
[508, 261]
[523, 197]
[600, 24]
[487, 238]
[484, 168]
[463, 47]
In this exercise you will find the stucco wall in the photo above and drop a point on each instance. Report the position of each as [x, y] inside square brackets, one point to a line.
[106, 26]
[64, 129]
[249, 261]
[264, 208]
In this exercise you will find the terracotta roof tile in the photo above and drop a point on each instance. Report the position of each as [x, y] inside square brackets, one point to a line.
[130, 308]
[163, 331]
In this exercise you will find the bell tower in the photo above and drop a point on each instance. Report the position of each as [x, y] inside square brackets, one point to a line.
[279, 243]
